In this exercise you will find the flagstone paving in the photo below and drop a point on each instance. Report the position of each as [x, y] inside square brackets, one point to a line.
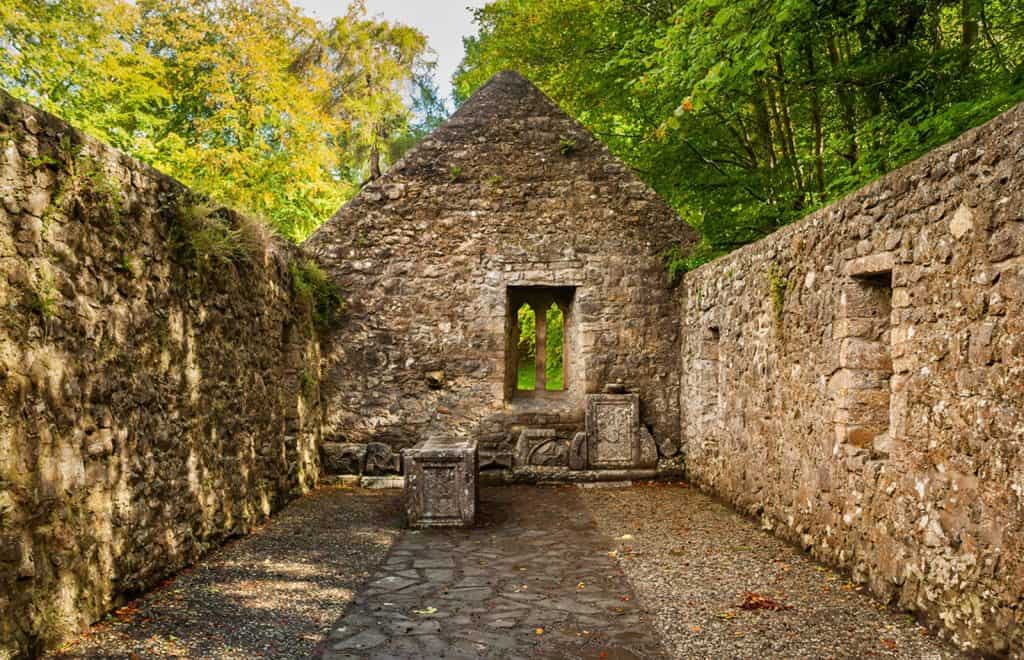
[533, 580]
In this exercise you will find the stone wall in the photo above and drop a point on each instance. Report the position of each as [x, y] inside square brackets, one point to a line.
[856, 380]
[509, 193]
[158, 384]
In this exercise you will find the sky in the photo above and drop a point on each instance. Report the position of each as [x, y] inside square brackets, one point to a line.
[444, 22]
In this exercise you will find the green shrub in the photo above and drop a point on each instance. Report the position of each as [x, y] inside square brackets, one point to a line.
[313, 289]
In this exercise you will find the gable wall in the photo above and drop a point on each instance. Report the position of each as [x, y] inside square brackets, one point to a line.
[425, 257]
[779, 413]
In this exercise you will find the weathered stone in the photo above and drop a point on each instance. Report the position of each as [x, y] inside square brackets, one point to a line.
[875, 264]
[667, 448]
[161, 415]
[541, 447]
[435, 379]
[441, 483]
[841, 421]
[343, 458]
[962, 222]
[613, 430]
[380, 460]
[648, 454]
[495, 460]
[578, 451]
[429, 257]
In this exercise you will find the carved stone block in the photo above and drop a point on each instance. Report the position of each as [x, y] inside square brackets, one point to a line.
[648, 450]
[441, 485]
[381, 460]
[613, 430]
[343, 457]
[541, 447]
[578, 452]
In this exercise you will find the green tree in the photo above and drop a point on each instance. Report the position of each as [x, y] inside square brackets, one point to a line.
[218, 94]
[747, 114]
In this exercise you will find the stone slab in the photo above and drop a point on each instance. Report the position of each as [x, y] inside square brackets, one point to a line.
[613, 431]
[541, 447]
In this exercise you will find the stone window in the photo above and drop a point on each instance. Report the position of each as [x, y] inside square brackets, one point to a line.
[537, 350]
[863, 382]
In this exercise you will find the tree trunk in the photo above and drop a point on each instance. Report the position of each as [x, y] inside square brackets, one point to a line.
[846, 102]
[764, 129]
[374, 162]
[787, 125]
[819, 162]
[970, 13]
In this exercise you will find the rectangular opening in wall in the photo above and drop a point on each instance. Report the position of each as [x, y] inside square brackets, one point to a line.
[864, 391]
[537, 350]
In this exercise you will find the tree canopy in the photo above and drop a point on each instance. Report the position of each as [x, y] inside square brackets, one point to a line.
[250, 101]
[748, 114]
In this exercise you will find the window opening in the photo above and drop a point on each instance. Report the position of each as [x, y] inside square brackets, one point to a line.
[554, 349]
[526, 347]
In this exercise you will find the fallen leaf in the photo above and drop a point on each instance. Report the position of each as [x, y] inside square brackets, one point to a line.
[539, 631]
[695, 629]
[726, 615]
[755, 601]
[889, 644]
[426, 611]
[626, 537]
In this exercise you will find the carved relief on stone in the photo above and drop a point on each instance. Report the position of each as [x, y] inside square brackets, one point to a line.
[613, 422]
[441, 482]
[578, 452]
[541, 447]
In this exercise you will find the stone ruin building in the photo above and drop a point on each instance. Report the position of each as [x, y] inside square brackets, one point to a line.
[508, 203]
[855, 381]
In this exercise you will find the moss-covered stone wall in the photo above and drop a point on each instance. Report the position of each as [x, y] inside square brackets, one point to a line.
[159, 378]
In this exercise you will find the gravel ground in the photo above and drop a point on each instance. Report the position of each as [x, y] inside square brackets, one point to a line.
[693, 562]
[272, 594]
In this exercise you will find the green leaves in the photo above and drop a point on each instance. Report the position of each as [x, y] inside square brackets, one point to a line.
[224, 95]
[748, 114]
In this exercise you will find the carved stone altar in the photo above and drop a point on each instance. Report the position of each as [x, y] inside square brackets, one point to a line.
[441, 482]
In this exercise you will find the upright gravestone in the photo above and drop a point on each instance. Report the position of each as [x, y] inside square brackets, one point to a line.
[441, 482]
[614, 437]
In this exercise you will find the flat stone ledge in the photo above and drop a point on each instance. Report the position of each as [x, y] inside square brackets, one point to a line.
[560, 475]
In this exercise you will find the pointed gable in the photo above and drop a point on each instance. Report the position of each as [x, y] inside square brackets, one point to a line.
[506, 143]
[510, 200]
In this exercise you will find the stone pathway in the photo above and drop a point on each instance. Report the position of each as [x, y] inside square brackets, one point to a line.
[533, 580]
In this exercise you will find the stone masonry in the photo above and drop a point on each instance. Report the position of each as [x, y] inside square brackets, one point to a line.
[149, 409]
[856, 380]
[507, 196]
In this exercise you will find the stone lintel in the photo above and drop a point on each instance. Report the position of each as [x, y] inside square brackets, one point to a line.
[871, 265]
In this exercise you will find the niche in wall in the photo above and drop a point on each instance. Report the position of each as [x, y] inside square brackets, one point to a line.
[863, 382]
